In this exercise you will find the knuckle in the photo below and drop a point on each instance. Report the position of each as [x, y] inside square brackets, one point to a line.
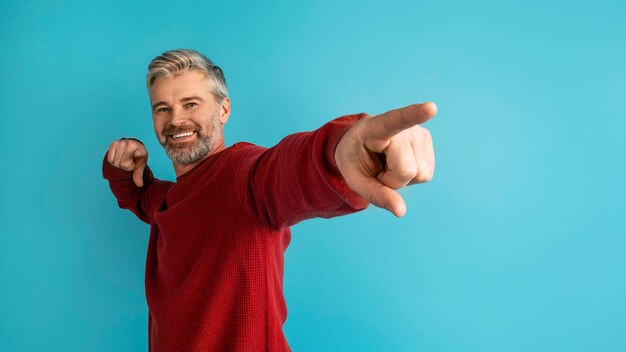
[407, 172]
[112, 147]
[425, 176]
[428, 136]
[396, 181]
[127, 164]
[423, 133]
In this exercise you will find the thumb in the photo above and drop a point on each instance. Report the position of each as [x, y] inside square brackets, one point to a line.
[138, 174]
[141, 159]
[384, 197]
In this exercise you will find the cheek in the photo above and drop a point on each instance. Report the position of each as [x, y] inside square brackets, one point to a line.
[159, 123]
[158, 130]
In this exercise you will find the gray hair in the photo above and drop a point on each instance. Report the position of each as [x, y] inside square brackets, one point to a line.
[175, 62]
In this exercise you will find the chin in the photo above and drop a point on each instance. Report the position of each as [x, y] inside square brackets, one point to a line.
[189, 153]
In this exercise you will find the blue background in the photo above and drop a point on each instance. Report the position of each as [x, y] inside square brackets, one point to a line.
[516, 245]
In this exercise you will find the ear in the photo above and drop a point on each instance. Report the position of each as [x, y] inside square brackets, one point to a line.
[225, 110]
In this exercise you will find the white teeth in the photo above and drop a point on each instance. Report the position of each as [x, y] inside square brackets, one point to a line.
[180, 135]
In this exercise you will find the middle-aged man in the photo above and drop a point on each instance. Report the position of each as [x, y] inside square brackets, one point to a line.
[214, 267]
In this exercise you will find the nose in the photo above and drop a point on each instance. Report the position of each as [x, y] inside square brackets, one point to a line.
[179, 116]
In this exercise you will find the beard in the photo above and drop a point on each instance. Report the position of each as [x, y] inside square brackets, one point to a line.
[189, 152]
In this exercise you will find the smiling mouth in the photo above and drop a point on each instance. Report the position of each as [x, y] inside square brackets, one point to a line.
[181, 136]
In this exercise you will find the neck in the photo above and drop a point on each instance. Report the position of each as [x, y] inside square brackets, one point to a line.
[181, 169]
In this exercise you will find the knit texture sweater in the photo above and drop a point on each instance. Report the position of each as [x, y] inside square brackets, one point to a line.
[214, 266]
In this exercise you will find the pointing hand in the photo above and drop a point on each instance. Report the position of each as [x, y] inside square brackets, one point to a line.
[129, 155]
[382, 153]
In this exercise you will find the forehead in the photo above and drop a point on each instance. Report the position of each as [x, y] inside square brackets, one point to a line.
[190, 83]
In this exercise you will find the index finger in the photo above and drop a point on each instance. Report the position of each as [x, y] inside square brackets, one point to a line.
[387, 125]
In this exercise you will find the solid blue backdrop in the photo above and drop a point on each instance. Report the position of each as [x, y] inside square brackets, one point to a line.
[516, 245]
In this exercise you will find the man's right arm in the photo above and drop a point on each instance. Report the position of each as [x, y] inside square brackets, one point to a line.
[131, 181]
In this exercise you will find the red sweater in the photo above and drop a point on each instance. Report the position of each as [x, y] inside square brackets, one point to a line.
[214, 267]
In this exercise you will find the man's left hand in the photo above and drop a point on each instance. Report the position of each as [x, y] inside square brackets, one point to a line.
[382, 153]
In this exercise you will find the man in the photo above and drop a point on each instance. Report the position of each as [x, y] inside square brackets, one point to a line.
[214, 266]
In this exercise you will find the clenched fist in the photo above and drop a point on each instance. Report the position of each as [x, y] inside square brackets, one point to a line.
[382, 153]
[129, 155]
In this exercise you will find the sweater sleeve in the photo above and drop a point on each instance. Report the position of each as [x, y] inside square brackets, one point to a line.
[297, 179]
[142, 201]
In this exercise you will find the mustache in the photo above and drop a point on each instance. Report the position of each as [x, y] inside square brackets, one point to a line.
[172, 130]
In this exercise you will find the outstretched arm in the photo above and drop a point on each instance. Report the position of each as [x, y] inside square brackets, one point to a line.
[297, 179]
[382, 153]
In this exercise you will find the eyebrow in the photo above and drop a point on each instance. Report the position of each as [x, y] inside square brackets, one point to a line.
[183, 100]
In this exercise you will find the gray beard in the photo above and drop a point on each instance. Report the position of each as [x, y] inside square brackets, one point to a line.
[190, 153]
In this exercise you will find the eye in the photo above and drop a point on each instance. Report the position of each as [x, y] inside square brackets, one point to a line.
[191, 104]
[160, 110]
